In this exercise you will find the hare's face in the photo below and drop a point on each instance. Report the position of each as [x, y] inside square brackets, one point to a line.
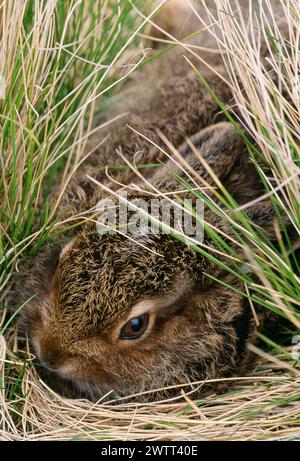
[111, 314]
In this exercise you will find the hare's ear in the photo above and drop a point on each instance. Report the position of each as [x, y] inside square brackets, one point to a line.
[214, 151]
[219, 155]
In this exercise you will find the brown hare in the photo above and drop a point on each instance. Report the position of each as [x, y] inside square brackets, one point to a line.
[136, 314]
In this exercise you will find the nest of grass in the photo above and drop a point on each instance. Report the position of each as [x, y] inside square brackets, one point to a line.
[262, 406]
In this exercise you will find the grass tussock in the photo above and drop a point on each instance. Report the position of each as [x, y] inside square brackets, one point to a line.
[60, 60]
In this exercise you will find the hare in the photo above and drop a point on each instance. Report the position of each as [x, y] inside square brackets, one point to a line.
[136, 314]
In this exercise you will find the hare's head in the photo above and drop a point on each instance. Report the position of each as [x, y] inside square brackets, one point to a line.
[112, 314]
[134, 314]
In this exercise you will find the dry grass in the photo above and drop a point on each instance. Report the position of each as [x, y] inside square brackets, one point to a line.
[262, 406]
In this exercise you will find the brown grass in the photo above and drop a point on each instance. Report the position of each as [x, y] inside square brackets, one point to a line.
[262, 406]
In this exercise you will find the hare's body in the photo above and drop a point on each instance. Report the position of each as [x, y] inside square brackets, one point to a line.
[136, 314]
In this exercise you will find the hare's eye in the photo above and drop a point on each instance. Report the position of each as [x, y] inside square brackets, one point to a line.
[135, 327]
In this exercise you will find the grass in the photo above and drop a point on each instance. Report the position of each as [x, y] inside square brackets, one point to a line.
[268, 105]
[62, 63]
[59, 59]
